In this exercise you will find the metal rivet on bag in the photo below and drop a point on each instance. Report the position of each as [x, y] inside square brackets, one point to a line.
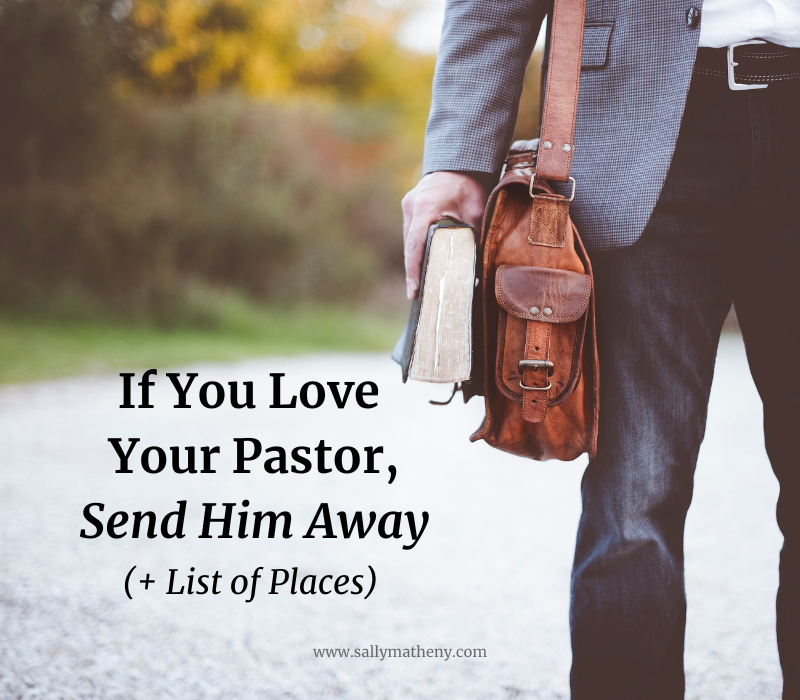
[535, 310]
[566, 148]
[547, 145]
[547, 311]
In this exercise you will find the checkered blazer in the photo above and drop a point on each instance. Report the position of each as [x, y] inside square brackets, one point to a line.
[636, 68]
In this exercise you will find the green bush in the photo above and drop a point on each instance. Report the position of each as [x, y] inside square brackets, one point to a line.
[279, 203]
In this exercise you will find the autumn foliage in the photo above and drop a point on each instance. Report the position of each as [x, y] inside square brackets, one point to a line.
[153, 148]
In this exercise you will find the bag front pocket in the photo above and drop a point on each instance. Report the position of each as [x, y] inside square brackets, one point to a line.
[542, 322]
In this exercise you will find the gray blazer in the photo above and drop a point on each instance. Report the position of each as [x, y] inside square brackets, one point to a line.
[637, 63]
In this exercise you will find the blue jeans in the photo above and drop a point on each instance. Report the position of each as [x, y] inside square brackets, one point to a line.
[726, 228]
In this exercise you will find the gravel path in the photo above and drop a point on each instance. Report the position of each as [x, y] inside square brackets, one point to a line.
[491, 570]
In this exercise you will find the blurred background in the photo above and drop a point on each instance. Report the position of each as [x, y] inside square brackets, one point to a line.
[205, 179]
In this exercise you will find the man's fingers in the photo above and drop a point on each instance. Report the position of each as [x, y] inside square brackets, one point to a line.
[414, 250]
[407, 205]
[474, 214]
[437, 196]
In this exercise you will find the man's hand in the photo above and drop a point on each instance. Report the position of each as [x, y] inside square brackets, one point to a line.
[439, 195]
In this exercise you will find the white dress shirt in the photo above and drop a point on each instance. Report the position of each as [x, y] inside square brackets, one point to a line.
[725, 22]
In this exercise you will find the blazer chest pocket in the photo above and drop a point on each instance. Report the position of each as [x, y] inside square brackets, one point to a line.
[596, 42]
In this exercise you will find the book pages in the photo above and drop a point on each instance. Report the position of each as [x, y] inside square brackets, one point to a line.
[443, 344]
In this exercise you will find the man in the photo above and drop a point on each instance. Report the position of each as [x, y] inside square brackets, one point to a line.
[688, 198]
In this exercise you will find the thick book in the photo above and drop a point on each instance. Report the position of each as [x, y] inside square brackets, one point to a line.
[436, 345]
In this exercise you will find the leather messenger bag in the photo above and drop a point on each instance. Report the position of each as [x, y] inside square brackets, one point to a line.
[534, 307]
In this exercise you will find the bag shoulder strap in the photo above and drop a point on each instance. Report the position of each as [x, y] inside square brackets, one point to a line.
[561, 97]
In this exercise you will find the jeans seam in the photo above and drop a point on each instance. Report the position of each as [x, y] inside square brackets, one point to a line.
[757, 157]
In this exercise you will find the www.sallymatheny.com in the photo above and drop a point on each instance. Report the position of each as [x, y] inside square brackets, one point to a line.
[373, 651]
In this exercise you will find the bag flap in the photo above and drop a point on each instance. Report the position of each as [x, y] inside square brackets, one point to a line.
[565, 294]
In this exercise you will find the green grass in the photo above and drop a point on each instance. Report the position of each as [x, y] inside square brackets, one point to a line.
[32, 350]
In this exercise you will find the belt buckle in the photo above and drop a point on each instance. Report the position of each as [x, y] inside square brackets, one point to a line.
[732, 84]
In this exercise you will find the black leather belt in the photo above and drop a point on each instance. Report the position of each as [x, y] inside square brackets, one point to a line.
[749, 65]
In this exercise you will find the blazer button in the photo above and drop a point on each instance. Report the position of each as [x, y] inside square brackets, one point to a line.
[692, 17]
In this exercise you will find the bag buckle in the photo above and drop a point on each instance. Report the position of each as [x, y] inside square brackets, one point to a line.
[732, 84]
[571, 179]
[535, 365]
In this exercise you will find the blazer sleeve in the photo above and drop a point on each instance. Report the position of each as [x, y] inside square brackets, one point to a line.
[485, 48]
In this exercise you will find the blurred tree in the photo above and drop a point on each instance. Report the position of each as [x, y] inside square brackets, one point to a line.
[528, 120]
[63, 63]
[276, 48]
[57, 61]
[129, 178]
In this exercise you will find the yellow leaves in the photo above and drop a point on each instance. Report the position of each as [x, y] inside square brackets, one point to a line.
[144, 15]
[271, 48]
[326, 50]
